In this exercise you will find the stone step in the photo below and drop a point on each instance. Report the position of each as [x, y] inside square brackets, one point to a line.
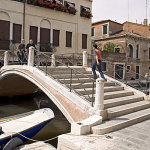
[121, 101]
[83, 80]
[118, 94]
[90, 85]
[57, 69]
[74, 76]
[111, 95]
[127, 108]
[122, 122]
[85, 91]
[55, 72]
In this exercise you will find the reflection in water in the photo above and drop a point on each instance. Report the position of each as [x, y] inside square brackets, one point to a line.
[21, 104]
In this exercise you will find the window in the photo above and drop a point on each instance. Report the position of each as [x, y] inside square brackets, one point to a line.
[104, 29]
[149, 68]
[4, 34]
[137, 51]
[92, 32]
[34, 34]
[69, 4]
[117, 49]
[68, 39]
[85, 12]
[104, 66]
[4, 30]
[149, 54]
[56, 34]
[44, 35]
[128, 68]
[137, 72]
[84, 41]
[17, 28]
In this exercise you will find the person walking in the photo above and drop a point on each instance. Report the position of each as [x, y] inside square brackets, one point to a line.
[21, 52]
[97, 62]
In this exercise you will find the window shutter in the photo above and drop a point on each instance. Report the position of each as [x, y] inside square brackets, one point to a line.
[92, 34]
[84, 41]
[4, 30]
[17, 28]
[68, 39]
[34, 34]
[56, 34]
[105, 29]
[44, 35]
[4, 34]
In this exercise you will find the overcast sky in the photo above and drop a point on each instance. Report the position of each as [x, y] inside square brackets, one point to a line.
[117, 10]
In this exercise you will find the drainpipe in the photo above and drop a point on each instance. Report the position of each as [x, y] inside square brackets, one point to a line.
[24, 8]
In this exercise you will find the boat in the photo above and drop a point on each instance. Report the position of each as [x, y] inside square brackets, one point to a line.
[16, 130]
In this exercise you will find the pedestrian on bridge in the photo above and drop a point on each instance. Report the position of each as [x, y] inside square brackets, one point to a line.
[21, 52]
[97, 62]
[29, 45]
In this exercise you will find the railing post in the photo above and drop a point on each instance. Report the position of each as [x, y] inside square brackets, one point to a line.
[53, 64]
[71, 80]
[84, 59]
[99, 99]
[6, 56]
[31, 56]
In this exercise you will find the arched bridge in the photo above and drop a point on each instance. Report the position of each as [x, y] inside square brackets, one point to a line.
[19, 80]
[82, 100]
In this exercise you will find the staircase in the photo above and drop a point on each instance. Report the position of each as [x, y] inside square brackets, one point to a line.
[124, 106]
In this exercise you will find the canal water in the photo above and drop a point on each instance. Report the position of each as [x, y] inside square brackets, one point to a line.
[21, 104]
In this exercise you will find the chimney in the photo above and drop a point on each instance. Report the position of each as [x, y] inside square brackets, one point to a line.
[145, 22]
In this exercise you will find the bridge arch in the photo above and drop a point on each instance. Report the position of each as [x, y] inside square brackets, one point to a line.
[37, 78]
[25, 76]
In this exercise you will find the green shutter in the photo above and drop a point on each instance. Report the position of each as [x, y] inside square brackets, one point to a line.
[92, 32]
[105, 29]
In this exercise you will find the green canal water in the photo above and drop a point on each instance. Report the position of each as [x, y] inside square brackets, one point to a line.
[21, 104]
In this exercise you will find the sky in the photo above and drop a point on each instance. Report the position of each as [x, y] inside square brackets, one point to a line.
[121, 10]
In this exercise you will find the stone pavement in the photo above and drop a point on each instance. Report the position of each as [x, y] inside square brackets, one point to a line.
[37, 146]
[136, 137]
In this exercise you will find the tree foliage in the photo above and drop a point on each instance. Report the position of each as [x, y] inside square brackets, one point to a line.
[109, 47]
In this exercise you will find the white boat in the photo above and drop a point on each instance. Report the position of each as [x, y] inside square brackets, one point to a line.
[16, 130]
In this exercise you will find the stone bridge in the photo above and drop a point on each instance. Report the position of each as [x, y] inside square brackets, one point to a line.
[85, 103]
[21, 80]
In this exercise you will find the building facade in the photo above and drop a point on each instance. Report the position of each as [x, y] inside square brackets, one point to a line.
[130, 41]
[63, 24]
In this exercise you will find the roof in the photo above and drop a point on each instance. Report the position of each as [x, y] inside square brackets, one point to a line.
[103, 21]
[134, 23]
[123, 33]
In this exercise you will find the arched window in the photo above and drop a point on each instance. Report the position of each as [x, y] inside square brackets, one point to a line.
[130, 51]
[137, 51]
